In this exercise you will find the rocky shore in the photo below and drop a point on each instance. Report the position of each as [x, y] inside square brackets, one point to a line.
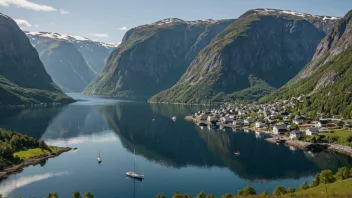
[33, 161]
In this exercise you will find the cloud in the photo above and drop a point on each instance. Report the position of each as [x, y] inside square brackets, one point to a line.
[99, 35]
[27, 5]
[124, 28]
[36, 25]
[22, 23]
[62, 11]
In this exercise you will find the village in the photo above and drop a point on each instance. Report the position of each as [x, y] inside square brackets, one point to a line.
[281, 120]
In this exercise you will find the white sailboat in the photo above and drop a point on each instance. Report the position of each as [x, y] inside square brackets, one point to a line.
[99, 159]
[134, 174]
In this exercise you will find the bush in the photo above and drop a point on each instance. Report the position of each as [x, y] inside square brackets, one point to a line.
[280, 190]
[160, 196]
[326, 177]
[316, 181]
[226, 196]
[291, 190]
[249, 191]
[303, 186]
[76, 195]
[343, 173]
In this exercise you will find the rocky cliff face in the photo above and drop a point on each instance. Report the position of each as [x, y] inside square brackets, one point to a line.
[23, 79]
[327, 79]
[153, 57]
[94, 53]
[270, 45]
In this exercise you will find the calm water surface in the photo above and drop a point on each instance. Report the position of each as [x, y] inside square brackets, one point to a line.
[173, 156]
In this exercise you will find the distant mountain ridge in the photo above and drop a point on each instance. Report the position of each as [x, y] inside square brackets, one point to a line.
[94, 52]
[153, 57]
[72, 61]
[23, 78]
[264, 46]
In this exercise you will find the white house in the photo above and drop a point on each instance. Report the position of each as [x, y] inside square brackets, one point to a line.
[299, 120]
[212, 119]
[322, 123]
[259, 124]
[296, 134]
[226, 120]
[280, 129]
[312, 131]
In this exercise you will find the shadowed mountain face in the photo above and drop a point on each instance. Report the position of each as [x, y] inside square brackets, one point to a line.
[23, 79]
[153, 57]
[260, 51]
[328, 77]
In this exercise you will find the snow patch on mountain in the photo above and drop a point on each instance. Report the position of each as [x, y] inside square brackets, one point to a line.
[267, 11]
[69, 38]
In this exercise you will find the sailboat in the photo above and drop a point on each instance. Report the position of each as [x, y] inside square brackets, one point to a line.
[99, 159]
[134, 174]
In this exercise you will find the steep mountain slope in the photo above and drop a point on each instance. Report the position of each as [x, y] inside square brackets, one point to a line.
[23, 79]
[153, 57]
[65, 64]
[327, 79]
[95, 53]
[270, 45]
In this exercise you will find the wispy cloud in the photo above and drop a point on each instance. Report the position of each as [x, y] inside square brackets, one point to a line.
[27, 5]
[62, 11]
[22, 23]
[36, 25]
[124, 28]
[99, 35]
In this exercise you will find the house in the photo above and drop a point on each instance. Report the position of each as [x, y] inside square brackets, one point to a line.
[322, 123]
[312, 131]
[259, 124]
[212, 119]
[226, 120]
[280, 129]
[299, 120]
[203, 117]
[323, 130]
[286, 119]
[238, 122]
[349, 126]
[296, 134]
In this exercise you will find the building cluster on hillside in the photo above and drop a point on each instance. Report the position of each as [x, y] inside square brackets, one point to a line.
[275, 117]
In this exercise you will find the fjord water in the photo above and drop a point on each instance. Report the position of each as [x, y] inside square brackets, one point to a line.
[173, 156]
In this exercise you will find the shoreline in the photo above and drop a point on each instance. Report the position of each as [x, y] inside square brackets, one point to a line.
[304, 146]
[17, 168]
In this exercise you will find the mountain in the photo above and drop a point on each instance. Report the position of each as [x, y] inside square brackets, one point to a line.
[94, 53]
[23, 79]
[153, 57]
[327, 79]
[260, 51]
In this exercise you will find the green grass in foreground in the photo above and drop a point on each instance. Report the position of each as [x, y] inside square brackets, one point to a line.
[337, 189]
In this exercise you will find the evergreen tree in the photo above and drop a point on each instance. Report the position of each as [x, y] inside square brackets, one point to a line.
[343, 173]
[280, 190]
[76, 195]
[315, 181]
[326, 177]
[303, 186]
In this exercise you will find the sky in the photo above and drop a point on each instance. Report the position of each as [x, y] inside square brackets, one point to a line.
[108, 20]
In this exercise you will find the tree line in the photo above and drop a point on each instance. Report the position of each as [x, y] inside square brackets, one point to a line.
[11, 142]
[324, 177]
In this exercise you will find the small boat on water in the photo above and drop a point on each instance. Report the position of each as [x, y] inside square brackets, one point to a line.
[99, 159]
[237, 153]
[174, 118]
[133, 174]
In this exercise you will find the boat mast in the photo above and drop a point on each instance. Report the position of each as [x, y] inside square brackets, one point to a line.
[134, 161]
